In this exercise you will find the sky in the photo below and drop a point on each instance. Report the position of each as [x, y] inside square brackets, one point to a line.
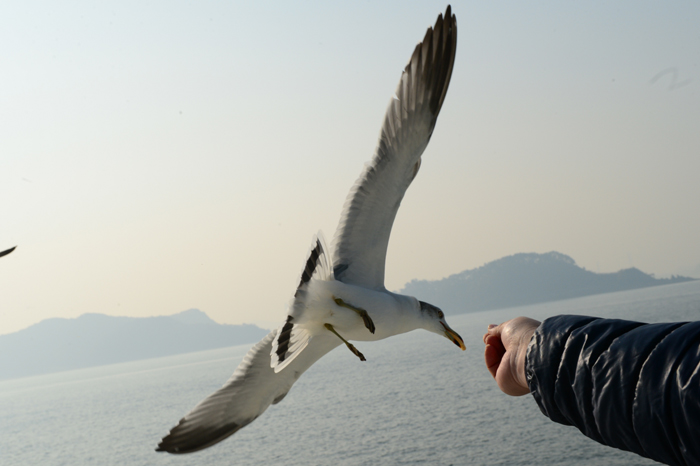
[159, 156]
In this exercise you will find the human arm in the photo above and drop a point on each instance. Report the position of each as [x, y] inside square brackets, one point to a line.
[625, 384]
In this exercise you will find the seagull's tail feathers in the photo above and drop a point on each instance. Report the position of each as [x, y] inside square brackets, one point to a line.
[292, 338]
[246, 395]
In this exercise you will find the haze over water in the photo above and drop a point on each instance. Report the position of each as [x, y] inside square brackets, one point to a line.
[159, 156]
[417, 400]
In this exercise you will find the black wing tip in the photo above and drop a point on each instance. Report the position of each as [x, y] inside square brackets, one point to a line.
[434, 57]
[7, 251]
[172, 449]
[449, 19]
[442, 40]
[163, 446]
[449, 16]
[177, 444]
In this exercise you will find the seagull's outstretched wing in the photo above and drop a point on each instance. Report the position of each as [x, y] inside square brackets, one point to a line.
[251, 389]
[7, 251]
[362, 236]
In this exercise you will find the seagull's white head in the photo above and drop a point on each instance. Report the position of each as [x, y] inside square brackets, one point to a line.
[434, 321]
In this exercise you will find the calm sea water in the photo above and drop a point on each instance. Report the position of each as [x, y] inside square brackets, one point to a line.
[417, 400]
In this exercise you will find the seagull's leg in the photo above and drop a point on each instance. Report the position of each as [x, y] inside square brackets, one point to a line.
[365, 317]
[347, 343]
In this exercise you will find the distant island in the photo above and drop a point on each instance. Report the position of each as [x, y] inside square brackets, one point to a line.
[96, 339]
[58, 344]
[523, 279]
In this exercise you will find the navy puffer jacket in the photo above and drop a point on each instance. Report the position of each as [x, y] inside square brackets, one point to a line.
[625, 384]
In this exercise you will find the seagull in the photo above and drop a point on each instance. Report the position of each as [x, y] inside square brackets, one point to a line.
[341, 295]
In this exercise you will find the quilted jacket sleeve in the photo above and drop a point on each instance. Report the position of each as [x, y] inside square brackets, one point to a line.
[625, 384]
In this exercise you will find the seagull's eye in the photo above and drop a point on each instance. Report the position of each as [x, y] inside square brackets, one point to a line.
[441, 315]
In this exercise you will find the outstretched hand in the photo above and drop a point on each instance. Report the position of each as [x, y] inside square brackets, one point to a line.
[506, 348]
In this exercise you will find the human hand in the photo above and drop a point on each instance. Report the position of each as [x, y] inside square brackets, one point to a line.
[506, 348]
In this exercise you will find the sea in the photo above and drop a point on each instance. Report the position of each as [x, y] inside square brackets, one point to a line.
[417, 400]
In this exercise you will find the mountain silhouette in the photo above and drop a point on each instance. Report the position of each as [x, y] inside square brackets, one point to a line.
[525, 278]
[90, 340]
[59, 344]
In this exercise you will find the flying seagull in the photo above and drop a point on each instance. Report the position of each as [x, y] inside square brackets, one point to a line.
[341, 295]
[7, 251]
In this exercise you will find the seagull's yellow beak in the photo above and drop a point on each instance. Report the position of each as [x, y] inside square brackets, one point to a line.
[453, 336]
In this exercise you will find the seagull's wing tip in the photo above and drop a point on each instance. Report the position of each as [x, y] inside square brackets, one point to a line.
[7, 251]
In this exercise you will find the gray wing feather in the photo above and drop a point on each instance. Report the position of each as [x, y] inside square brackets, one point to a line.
[362, 237]
[252, 388]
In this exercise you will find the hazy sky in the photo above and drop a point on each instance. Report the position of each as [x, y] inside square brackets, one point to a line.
[158, 156]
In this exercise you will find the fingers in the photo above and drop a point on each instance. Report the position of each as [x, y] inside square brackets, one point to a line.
[504, 353]
[493, 353]
[494, 349]
[491, 330]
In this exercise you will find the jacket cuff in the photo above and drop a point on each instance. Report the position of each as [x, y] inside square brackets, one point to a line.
[547, 347]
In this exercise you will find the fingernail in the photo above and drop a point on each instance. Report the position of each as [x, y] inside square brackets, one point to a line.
[492, 326]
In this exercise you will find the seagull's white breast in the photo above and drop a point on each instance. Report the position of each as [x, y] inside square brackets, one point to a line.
[392, 314]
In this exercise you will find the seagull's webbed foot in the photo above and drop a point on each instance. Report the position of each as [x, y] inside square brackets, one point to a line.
[347, 343]
[365, 316]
